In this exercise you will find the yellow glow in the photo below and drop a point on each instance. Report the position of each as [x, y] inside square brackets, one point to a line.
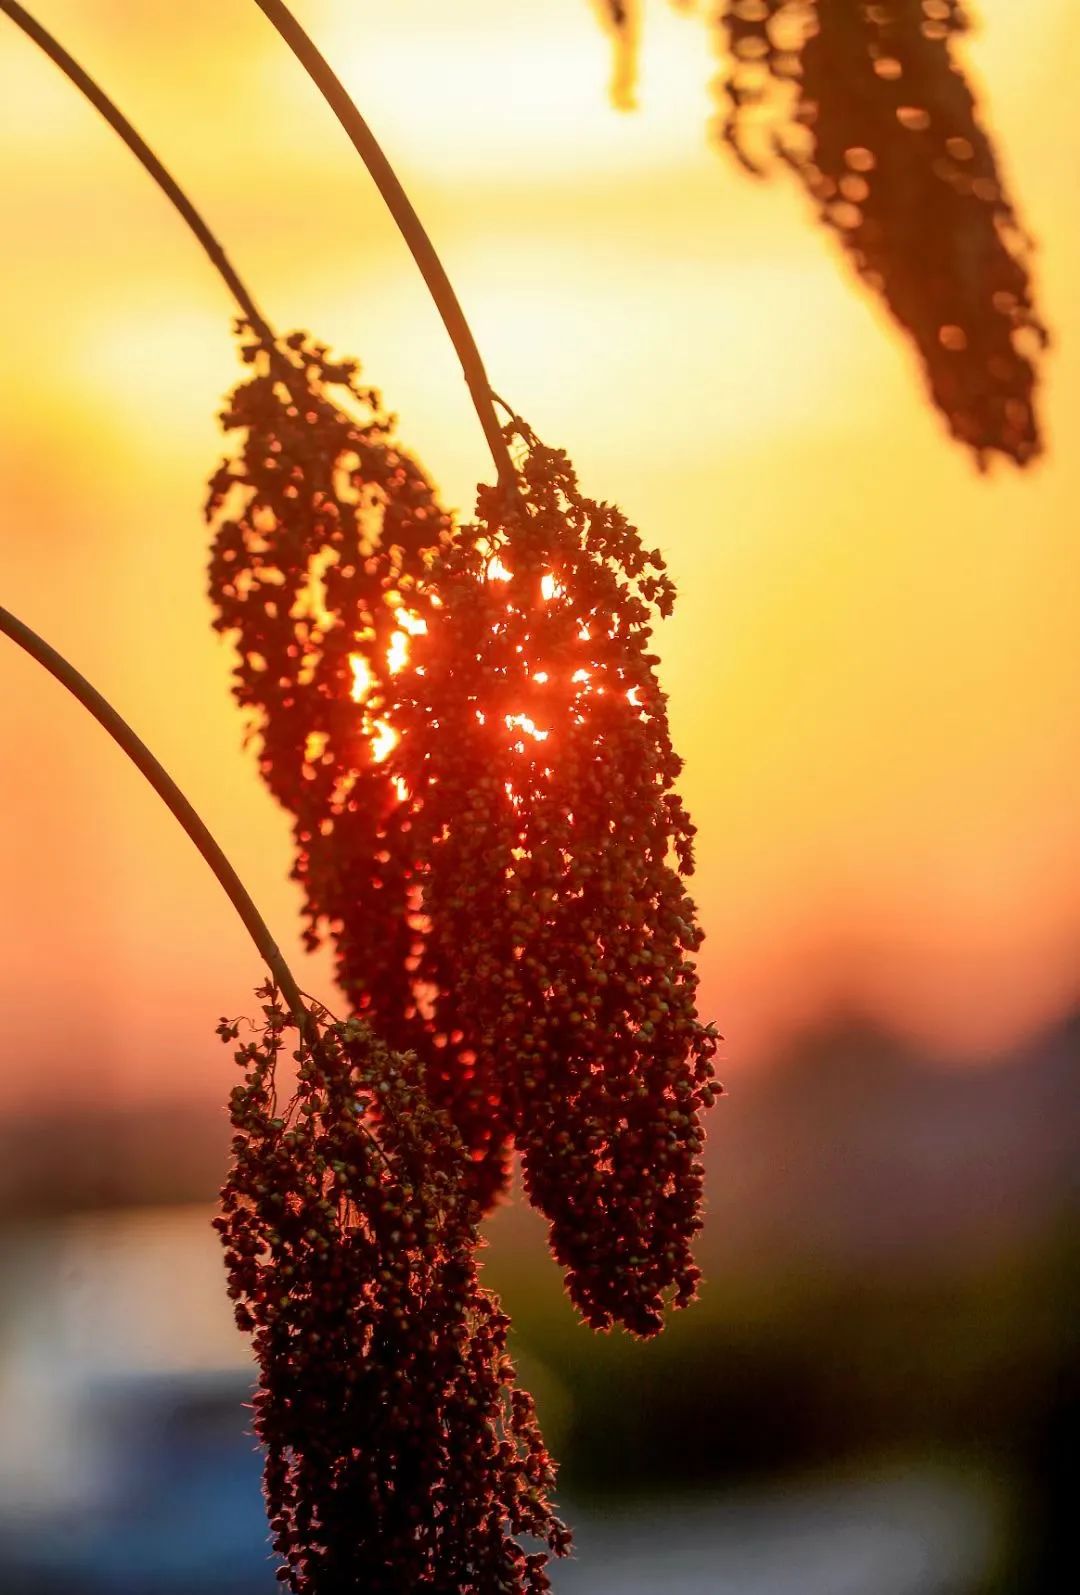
[496, 571]
[527, 725]
[873, 661]
[384, 741]
[312, 598]
[548, 586]
[397, 655]
[363, 680]
[411, 622]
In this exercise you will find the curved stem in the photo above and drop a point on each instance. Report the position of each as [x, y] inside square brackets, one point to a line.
[409, 225]
[146, 157]
[167, 789]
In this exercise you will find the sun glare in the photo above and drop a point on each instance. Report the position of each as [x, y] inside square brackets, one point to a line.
[397, 655]
[384, 741]
[411, 622]
[527, 725]
[363, 680]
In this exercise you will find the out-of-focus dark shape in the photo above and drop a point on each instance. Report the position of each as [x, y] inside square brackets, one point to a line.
[622, 19]
[870, 108]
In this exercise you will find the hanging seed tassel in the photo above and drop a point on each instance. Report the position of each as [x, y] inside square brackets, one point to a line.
[468, 731]
[868, 105]
[550, 846]
[399, 1453]
[324, 532]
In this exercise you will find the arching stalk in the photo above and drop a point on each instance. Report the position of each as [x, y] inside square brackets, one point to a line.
[147, 159]
[409, 225]
[177, 804]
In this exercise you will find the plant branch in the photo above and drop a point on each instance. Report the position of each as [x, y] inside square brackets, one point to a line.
[147, 159]
[167, 789]
[409, 225]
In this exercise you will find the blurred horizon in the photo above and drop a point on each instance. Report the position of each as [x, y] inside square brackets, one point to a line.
[871, 1395]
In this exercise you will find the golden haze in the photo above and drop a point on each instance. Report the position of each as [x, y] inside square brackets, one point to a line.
[874, 667]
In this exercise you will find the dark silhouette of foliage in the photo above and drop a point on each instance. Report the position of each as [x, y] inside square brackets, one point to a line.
[399, 1453]
[324, 529]
[868, 105]
[468, 732]
[538, 772]
[515, 922]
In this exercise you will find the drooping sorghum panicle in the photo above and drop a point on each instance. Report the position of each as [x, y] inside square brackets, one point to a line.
[550, 847]
[324, 532]
[467, 729]
[869, 105]
[399, 1453]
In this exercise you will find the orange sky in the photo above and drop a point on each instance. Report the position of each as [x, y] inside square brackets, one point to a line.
[874, 668]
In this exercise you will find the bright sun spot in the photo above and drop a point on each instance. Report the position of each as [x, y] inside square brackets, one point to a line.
[414, 624]
[397, 655]
[527, 725]
[363, 681]
[384, 741]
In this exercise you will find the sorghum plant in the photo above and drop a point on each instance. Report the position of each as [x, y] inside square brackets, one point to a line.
[399, 1453]
[487, 907]
[468, 732]
[523, 945]
[554, 934]
[866, 102]
[325, 532]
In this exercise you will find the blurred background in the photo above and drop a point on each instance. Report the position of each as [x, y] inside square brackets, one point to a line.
[874, 673]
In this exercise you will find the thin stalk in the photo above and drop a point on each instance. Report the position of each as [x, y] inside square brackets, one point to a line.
[147, 159]
[178, 805]
[409, 225]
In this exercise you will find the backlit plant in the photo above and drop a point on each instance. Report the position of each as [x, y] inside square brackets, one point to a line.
[399, 1452]
[468, 731]
[464, 722]
[867, 103]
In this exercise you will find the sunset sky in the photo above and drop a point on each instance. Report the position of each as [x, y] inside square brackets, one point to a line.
[874, 666]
